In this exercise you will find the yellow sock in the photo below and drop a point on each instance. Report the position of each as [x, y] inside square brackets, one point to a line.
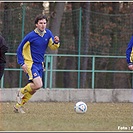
[27, 88]
[18, 105]
[25, 99]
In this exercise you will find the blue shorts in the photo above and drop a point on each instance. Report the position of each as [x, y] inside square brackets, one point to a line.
[35, 70]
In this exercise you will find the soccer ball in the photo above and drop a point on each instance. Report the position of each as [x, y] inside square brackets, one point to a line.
[80, 107]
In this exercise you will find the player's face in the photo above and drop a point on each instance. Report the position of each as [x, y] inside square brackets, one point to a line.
[41, 25]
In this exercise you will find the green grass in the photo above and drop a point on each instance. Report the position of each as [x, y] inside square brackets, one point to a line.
[60, 116]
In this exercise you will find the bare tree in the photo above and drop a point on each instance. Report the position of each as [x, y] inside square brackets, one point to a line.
[85, 6]
[85, 40]
[56, 13]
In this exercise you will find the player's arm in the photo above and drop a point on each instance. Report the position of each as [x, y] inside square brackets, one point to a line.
[20, 57]
[54, 42]
[129, 54]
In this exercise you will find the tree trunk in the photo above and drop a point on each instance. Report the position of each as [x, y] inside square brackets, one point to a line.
[55, 22]
[85, 45]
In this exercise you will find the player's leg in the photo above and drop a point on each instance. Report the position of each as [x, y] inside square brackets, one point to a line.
[26, 93]
[32, 88]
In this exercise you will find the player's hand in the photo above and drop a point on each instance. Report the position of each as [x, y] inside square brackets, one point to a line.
[56, 39]
[25, 69]
[130, 67]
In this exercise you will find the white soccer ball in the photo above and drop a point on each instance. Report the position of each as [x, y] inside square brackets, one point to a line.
[80, 107]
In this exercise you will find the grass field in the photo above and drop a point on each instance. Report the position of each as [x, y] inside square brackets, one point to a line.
[60, 116]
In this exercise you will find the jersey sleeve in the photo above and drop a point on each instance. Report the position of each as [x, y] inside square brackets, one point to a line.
[20, 58]
[129, 52]
[51, 44]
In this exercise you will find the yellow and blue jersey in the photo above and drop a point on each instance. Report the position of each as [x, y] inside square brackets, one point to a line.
[33, 46]
[129, 52]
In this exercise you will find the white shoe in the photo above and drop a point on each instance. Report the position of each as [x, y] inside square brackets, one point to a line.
[19, 97]
[18, 110]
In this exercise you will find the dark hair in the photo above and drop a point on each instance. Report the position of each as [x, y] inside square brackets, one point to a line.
[40, 17]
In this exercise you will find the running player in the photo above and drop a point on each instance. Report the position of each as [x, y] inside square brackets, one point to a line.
[30, 55]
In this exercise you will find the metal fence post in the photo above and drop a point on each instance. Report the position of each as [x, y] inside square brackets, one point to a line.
[46, 71]
[93, 72]
[51, 72]
[23, 23]
[79, 44]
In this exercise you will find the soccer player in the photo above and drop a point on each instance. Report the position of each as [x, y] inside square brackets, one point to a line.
[3, 50]
[30, 55]
[129, 54]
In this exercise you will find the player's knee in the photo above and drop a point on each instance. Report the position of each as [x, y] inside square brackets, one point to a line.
[38, 86]
[37, 83]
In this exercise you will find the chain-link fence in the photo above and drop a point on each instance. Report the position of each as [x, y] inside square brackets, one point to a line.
[82, 32]
[105, 34]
